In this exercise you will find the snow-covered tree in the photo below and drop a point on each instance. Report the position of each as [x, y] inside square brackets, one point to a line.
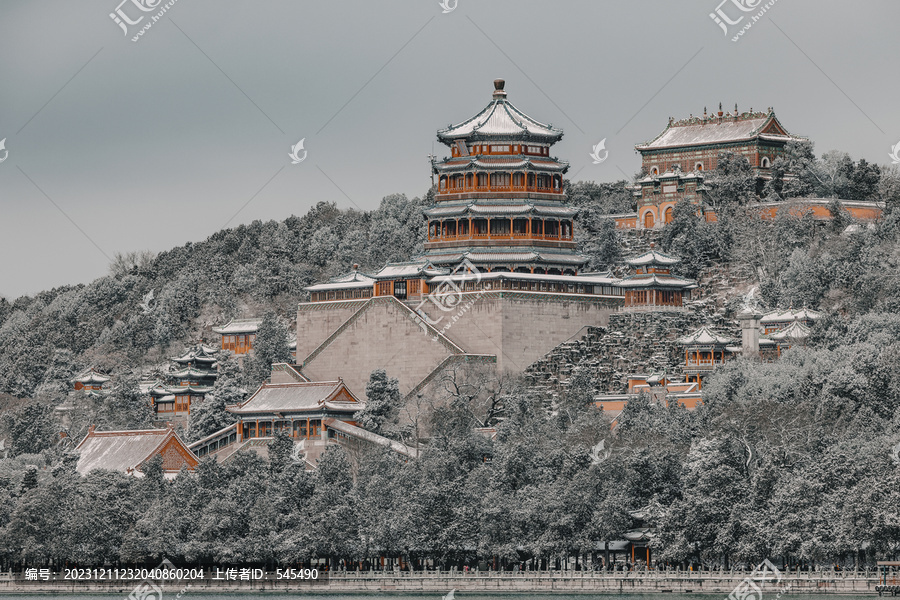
[382, 403]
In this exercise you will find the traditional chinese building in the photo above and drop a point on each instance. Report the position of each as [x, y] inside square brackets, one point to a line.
[794, 334]
[500, 202]
[778, 319]
[675, 160]
[90, 380]
[196, 367]
[653, 286]
[499, 280]
[351, 286]
[238, 335]
[704, 351]
[313, 414]
[191, 376]
[661, 388]
[128, 451]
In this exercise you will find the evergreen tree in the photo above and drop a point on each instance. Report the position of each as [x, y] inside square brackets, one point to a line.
[280, 449]
[600, 240]
[382, 403]
[30, 479]
[840, 218]
[796, 173]
[30, 429]
[210, 415]
[125, 407]
[271, 346]
[690, 238]
[733, 181]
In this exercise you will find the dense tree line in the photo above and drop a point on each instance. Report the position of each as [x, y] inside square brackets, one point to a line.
[115, 324]
[789, 460]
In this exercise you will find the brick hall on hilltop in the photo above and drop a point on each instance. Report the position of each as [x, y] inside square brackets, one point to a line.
[676, 161]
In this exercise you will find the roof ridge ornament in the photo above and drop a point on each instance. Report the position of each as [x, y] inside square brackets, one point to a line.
[499, 93]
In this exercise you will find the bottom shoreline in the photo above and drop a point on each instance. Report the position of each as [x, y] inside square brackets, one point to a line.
[573, 583]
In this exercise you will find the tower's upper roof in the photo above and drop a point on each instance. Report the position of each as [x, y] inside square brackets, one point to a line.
[500, 120]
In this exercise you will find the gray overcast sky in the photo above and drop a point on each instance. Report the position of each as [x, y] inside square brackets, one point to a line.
[117, 146]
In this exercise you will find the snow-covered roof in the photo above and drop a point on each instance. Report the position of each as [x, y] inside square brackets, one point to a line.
[698, 131]
[446, 211]
[501, 120]
[353, 276]
[656, 280]
[522, 208]
[704, 337]
[194, 390]
[585, 279]
[410, 269]
[192, 372]
[519, 163]
[788, 315]
[652, 257]
[126, 451]
[641, 534]
[91, 376]
[239, 326]
[497, 209]
[555, 211]
[299, 397]
[794, 332]
[149, 386]
[200, 353]
[346, 285]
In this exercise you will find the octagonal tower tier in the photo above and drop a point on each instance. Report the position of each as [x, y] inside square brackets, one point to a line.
[500, 201]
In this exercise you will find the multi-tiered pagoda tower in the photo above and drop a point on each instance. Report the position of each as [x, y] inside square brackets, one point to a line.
[499, 201]
[498, 283]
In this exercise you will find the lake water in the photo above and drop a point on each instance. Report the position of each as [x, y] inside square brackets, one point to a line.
[171, 595]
